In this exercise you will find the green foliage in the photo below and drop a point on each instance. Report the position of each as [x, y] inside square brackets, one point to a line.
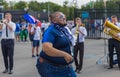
[99, 4]
[20, 5]
[34, 6]
[4, 4]
[50, 7]
[53, 7]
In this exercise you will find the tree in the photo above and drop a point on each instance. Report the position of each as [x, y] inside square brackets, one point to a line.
[21, 5]
[53, 7]
[34, 6]
[65, 9]
[4, 4]
[11, 5]
[99, 4]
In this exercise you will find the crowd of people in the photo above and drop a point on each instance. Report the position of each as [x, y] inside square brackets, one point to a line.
[55, 58]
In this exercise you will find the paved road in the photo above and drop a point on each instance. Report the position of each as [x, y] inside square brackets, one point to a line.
[24, 64]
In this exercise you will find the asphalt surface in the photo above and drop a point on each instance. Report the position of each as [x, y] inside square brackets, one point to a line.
[95, 64]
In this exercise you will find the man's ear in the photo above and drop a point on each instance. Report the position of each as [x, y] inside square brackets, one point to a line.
[54, 20]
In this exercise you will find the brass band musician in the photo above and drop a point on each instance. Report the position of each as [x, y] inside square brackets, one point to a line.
[80, 32]
[7, 42]
[114, 44]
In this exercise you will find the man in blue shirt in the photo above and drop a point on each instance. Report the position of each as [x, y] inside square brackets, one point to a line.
[55, 58]
[17, 31]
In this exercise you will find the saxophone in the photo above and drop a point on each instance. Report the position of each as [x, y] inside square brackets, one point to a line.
[111, 29]
[76, 33]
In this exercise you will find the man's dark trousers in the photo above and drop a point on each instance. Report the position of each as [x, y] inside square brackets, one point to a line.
[7, 46]
[113, 43]
[79, 49]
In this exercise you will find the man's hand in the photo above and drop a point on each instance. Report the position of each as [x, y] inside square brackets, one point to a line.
[1, 26]
[68, 57]
[116, 35]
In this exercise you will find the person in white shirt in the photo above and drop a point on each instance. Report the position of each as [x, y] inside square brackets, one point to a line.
[36, 40]
[44, 26]
[114, 44]
[7, 43]
[81, 32]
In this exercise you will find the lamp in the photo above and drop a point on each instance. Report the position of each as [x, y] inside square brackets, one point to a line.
[26, 8]
[75, 4]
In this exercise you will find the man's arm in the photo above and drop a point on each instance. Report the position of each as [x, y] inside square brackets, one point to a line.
[51, 51]
[1, 26]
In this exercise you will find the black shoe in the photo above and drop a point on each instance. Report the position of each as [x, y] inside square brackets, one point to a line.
[37, 55]
[33, 56]
[109, 67]
[118, 68]
[75, 70]
[5, 71]
[78, 71]
[10, 72]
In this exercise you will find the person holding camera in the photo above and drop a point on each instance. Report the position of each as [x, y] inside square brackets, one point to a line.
[36, 32]
[7, 43]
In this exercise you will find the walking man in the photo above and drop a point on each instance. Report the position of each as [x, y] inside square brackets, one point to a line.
[7, 42]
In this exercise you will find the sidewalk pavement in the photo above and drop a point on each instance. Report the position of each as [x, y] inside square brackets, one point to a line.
[24, 64]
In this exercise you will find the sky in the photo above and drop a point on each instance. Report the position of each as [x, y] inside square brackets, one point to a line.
[60, 2]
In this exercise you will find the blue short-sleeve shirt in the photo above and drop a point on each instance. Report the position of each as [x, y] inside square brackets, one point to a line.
[59, 41]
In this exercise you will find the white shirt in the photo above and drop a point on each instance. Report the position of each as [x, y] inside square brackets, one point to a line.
[36, 33]
[81, 36]
[11, 34]
[118, 24]
[44, 25]
[73, 40]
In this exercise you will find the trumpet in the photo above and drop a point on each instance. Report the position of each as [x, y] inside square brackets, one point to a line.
[2, 21]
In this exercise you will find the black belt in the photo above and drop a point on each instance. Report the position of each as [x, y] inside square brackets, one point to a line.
[7, 39]
[57, 65]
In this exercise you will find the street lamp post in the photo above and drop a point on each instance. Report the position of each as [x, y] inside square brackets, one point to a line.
[75, 4]
[48, 8]
[26, 8]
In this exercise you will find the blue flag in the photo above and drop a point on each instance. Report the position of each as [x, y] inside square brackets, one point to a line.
[29, 18]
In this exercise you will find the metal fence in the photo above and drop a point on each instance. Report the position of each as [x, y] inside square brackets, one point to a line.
[94, 20]
[18, 15]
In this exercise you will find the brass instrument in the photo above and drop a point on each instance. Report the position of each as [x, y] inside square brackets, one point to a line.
[77, 27]
[111, 29]
[83, 25]
[2, 21]
[76, 33]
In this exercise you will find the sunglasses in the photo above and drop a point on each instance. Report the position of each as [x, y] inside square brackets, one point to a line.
[61, 17]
